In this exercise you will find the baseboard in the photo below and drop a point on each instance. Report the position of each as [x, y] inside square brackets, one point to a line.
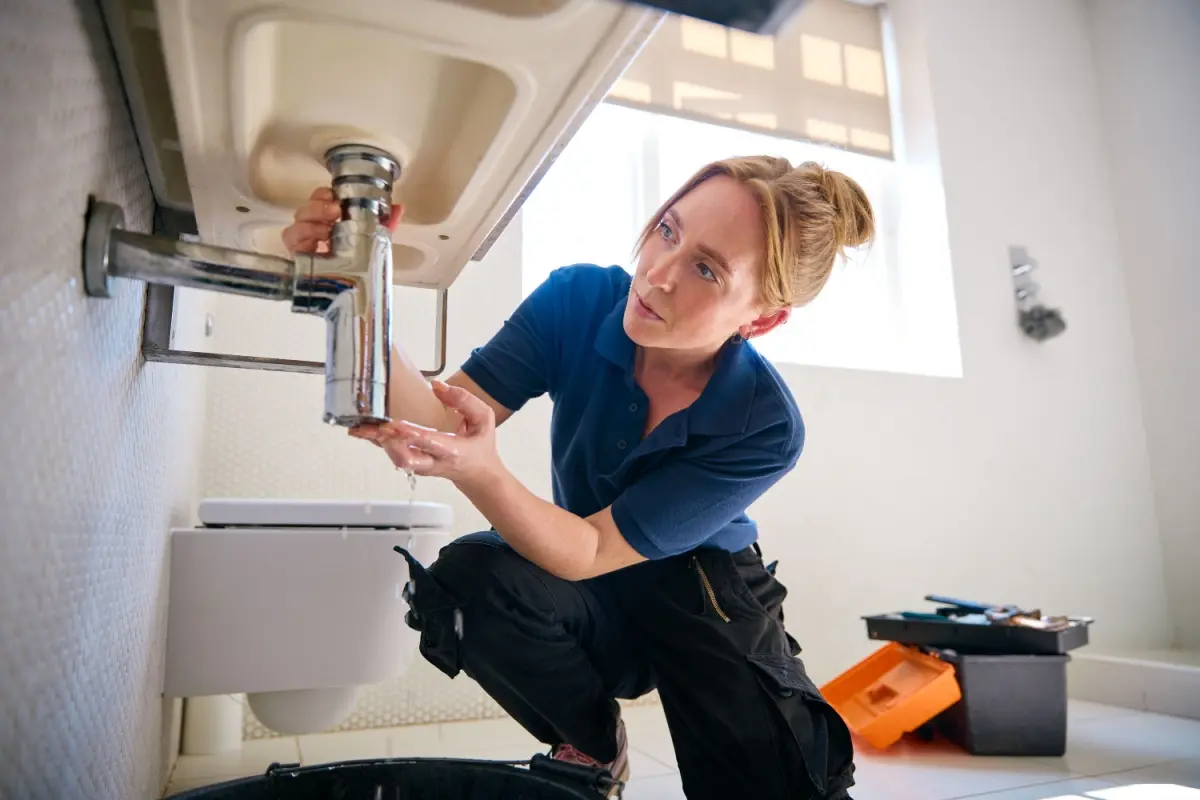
[1158, 681]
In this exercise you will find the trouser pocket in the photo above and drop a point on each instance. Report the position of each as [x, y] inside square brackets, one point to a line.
[436, 613]
[811, 728]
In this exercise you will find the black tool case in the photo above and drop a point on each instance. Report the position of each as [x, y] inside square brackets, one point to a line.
[1012, 705]
[974, 638]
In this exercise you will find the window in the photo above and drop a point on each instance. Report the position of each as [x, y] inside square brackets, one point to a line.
[624, 162]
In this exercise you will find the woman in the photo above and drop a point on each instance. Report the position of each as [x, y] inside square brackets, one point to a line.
[644, 573]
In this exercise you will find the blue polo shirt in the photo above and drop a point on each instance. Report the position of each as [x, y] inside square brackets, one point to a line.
[688, 483]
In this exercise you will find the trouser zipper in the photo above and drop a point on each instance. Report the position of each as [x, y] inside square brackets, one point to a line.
[712, 596]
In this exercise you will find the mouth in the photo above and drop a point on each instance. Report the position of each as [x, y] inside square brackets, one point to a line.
[643, 309]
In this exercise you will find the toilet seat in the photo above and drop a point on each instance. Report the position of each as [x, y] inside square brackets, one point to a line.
[259, 512]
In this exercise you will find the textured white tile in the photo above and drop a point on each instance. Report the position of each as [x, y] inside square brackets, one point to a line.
[97, 449]
[1112, 744]
[252, 759]
[325, 748]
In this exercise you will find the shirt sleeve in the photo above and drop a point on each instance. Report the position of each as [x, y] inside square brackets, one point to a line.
[520, 362]
[681, 504]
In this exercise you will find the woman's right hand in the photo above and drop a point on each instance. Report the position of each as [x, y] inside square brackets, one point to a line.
[314, 221]
[311, 231]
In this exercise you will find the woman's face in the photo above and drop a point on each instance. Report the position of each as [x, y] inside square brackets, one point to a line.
[699, 275]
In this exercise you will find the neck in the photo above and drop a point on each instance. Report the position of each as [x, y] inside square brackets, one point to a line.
[684, 366]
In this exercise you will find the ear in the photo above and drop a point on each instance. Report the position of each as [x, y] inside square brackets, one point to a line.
[765, 324]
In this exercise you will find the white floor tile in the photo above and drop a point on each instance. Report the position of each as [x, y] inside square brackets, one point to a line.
[1177, 773]
[914, 770]
[326, 748]
[178, 786]
[418, 741]
[664, 787]
[253, 758]
[1131, 741]
[1063, 790]
[1083, 710]
[1157, 791]
[644, 765]
[501, 739]
[647, 730]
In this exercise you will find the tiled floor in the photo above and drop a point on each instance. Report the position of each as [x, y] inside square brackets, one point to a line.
[1113, 754]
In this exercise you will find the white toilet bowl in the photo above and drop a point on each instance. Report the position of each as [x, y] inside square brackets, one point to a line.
[295, 603]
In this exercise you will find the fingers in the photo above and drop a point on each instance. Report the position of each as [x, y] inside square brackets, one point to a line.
[407, 457]
[394, 218]
[477, 413]
[304, 237]
[314, 223]
[326, 211]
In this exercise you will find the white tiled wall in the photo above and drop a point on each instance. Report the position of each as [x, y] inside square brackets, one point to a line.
[97, 450]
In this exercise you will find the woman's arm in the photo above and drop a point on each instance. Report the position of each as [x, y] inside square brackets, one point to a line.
[411, 398]
[564, 544]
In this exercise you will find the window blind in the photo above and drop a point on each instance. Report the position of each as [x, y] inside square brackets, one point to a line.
[820, 79]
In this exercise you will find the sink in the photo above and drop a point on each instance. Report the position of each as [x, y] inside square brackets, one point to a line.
[516, 8]
[474, 97]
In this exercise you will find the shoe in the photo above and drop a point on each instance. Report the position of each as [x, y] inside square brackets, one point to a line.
[618, 767]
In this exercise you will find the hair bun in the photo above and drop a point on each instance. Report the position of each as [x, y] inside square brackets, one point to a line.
[854, 221]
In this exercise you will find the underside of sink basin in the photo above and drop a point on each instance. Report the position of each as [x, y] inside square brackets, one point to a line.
[516, 8]
[473, 97]
[437, 113]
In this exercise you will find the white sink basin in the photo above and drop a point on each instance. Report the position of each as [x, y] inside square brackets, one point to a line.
[473, 96]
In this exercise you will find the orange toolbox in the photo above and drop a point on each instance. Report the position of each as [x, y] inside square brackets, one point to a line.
[894, 691]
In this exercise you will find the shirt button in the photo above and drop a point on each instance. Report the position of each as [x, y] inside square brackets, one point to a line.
[633, 406]
[621, 445]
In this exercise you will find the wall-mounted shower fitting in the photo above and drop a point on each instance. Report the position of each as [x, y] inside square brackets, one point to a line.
[1035, 320]
[351, 286]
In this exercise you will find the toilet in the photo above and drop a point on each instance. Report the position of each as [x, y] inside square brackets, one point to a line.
[295, 603]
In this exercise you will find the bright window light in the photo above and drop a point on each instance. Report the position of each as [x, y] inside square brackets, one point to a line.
[1147, 791]
[623, 163]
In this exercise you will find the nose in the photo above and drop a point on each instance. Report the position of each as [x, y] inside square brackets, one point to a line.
[662, 273]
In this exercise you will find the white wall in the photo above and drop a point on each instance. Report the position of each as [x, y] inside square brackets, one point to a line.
[1026, 481]
[1147, 58]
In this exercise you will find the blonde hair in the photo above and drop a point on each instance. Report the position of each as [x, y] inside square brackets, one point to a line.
[811, 215]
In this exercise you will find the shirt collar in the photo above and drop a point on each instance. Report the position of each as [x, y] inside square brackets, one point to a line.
[724, 406]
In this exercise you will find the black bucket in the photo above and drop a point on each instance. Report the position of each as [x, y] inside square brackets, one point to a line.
[541, 778]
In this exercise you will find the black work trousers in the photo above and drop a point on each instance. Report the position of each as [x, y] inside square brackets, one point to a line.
[704, 628]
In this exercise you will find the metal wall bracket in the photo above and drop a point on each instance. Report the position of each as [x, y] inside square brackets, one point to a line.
[158, 325]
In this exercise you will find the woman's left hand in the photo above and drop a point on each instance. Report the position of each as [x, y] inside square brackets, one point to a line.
[468, 455]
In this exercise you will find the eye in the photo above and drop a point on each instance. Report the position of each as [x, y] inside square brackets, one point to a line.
[706, 273]
[665, 231]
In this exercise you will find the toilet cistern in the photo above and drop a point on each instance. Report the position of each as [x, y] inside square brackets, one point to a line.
[351, 286]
